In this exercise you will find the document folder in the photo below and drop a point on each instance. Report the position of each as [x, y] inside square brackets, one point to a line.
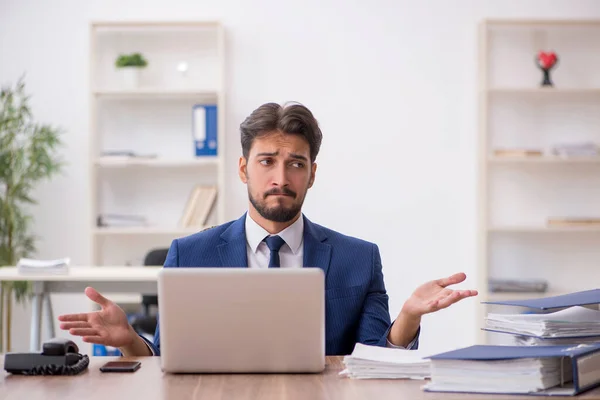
[586, 297]
[532, 370]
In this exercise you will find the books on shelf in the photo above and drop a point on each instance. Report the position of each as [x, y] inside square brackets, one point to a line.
[561, 150]
[518, 152]
[29, 265]
[374, 362]
[575, 149]
[542, 370]
[517, 285]
[198, 207]
[573, 221]
[121, 220]
[125, 155]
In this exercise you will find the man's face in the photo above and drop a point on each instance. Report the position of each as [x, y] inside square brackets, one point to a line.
[278, 173]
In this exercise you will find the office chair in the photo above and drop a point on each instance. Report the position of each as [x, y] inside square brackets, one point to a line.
[146, 323]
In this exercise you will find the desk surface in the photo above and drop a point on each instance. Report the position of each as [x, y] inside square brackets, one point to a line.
[149, 382]
[76, 274]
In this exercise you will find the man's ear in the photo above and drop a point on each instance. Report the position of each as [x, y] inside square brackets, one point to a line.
[313, 172]
[243, 169]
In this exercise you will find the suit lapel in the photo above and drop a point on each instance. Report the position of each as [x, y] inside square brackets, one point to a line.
[233, 251]
[316, 253]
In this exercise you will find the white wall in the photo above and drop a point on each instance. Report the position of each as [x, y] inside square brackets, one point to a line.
[393, 84]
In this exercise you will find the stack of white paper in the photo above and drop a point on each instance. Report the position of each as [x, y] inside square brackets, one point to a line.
[571, 322]
[28, 265]
[373, 362]
[521, 340]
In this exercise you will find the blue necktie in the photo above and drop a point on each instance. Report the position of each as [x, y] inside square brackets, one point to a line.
[274, 243]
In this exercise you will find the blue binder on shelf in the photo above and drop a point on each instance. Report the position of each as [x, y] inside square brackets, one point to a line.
[204, 126]
[586, 297]
[579, 369]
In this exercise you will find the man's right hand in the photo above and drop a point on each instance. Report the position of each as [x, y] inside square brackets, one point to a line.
[108, 326]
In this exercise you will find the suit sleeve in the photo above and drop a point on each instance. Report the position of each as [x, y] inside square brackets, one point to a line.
[172, 261]
[374, 324]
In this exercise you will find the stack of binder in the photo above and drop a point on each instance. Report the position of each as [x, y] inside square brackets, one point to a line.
[557, 351]
[541, 370]
[557, 320]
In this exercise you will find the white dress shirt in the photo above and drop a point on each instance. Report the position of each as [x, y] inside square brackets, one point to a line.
[291, 254]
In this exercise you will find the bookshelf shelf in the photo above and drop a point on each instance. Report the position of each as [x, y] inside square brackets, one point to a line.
[523, 124]
[202, 96]
[543, 160]
[553, 91]
[543, 229]
[504, 296]
[157, 163]
[130, 231]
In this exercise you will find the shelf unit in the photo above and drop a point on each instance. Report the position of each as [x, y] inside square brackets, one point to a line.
[186, 67]
[518, 194]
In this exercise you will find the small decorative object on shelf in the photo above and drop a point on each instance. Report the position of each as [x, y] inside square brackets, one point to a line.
[546, 61]
[130, 66]
[182, 68]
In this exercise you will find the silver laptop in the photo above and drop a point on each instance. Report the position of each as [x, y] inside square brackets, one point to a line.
[242, 320]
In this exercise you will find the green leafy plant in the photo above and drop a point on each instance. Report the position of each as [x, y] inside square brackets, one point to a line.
[131, 60]
[28, 155]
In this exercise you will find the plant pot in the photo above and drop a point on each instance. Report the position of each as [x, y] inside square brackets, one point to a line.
[130, 77]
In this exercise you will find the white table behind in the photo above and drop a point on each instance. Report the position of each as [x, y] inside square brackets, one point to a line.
[105, 279]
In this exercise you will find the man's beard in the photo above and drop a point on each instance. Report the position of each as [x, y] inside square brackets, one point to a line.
[277, 213]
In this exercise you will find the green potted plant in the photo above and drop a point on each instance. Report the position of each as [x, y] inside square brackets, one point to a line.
[28, 155]
[130, 66]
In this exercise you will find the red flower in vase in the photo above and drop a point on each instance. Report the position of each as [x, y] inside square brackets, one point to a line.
[547, 60]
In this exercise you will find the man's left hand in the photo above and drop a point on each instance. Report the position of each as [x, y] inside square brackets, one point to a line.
[435, 295]
[427, 298]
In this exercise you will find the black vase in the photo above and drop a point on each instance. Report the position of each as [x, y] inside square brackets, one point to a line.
[546, 81]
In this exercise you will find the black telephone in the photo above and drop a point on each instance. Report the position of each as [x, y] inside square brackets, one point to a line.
[59, 357]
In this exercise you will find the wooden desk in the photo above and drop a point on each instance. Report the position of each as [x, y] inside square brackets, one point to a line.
[104, 279]
[149, 383]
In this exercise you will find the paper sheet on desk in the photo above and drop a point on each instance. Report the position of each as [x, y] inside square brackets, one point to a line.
[374, 362]
[28, 265]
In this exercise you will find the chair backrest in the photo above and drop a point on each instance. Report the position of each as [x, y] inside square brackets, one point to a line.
[155, 257]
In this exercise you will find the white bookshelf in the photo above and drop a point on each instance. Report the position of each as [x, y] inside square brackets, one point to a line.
[516, 194]
[152, 118]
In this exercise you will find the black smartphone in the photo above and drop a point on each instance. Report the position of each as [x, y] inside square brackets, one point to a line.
[121, 366]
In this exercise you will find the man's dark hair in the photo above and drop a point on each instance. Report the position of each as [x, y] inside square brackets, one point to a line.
[294, 119]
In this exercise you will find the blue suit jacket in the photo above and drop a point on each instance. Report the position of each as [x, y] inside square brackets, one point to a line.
[356, 302]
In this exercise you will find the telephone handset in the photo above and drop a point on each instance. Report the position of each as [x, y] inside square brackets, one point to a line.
[59, 357]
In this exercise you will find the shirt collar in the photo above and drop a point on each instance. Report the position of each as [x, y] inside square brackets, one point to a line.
[292, 235]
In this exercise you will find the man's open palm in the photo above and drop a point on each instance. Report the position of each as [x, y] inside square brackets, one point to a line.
[435, 295]
[108, 326]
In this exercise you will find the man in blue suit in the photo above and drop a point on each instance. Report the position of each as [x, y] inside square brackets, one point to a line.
[280, 146]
